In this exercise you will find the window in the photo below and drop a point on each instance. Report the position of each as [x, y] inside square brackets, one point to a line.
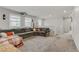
[39, 22]
[15, 21]
[28, 22]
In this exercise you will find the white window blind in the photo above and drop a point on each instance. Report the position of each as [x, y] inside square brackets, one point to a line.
[15, 21]
[28, 22]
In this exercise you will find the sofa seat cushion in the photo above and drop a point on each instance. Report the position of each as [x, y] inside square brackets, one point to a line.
[25, 33]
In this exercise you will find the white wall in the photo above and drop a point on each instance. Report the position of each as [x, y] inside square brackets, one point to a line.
[75, 26]
[55, 24]
[3, 23]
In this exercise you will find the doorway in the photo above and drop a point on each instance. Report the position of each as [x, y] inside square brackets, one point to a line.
[67, 24]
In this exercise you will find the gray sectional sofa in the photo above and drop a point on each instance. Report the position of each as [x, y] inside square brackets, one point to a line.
[27, 32]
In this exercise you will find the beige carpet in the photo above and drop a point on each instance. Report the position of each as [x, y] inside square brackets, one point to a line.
[48, 44]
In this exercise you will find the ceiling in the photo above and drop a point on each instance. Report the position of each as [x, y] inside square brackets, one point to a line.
[43, 11]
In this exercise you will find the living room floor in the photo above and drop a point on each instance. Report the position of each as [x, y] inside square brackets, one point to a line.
[49, 44]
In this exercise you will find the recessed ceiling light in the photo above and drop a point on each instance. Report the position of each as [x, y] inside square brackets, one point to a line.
[65, 11]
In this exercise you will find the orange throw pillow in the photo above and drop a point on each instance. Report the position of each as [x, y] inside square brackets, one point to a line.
[9, 33]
